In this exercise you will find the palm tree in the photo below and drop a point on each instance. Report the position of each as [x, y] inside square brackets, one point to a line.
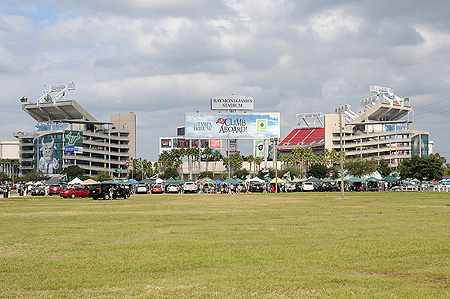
[250, 160]
[2, 165]
[16, 165]
[207, 152]
[217, 156]
[284, 159]
[258, 161]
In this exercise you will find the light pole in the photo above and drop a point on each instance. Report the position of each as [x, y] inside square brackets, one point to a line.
[341, 153]
[275, 142]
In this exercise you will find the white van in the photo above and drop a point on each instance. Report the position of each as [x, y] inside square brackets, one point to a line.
[307, 186]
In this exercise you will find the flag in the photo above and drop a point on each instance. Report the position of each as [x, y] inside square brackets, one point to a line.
[24, 99]
[265, 170]
[266, 175]
[62, 177]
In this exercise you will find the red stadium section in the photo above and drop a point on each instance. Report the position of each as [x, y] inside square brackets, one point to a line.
[303, 137]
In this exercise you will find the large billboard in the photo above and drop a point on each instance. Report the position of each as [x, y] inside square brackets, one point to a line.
[48, 150]
[419, 145]
[236, 126]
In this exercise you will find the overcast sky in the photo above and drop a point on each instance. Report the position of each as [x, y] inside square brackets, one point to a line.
[162, 58]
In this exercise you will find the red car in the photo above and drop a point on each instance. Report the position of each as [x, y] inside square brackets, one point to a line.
[74, 192]
[157, 189]
[54, 189]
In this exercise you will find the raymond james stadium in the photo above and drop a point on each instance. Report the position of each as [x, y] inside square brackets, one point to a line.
[66, 134]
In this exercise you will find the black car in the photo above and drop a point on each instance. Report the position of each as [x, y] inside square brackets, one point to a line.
[109, 191]
[256, 187]
[325, 186]
[37, 191]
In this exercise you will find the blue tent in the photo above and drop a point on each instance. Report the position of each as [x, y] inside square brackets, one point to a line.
[133, 181]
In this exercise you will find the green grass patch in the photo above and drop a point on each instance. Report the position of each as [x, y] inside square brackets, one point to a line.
[296, 245]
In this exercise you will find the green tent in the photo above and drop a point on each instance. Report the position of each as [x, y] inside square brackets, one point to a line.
[354, 180]
[125, 182]
[372, 179]
[327, 180]
[207, 180]
[149, 181]
[171, 181]
[313, 179]
[231, 181]
[390, 178]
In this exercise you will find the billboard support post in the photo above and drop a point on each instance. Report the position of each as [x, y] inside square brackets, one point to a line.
[199, 158]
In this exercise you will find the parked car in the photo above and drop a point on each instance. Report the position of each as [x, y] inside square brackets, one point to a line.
[307, 186]
[157, 188]
[256, 187]
[142, 188]
[290, 187]
[37, 191]
[109, 190]
[325, 186]
[54, 189]
[190, 187]
[172, 188]
[74, 192]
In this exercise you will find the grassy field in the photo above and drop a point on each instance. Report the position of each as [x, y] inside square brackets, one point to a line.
[299, 245]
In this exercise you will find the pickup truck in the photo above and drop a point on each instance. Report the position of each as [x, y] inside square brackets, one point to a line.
[190, 187]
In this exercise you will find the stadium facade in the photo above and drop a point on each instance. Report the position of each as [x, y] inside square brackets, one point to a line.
[381, 129]
[66, 134]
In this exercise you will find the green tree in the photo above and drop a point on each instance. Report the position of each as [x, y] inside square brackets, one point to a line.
[261, 175]
[250, 160]
[359, 167]
[258, 161]
[3, 177]
[241, 173]
[206, 174]
[293, 171]
[169, 173]
[74, 171]
[208, 153]
[102, 176]
[34, 176]
[383, 168]
[317, 170]
[236, 161]
[431, 167]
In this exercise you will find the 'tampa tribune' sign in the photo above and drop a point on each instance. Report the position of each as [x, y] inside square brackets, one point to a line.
[232, 102]
[234, 126]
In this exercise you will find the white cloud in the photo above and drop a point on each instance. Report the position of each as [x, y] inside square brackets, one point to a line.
[162, 58]
[333, 25]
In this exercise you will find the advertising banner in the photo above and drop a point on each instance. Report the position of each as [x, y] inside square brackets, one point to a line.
[215, 143]
[48, 150]
[73, 142]
[419, 145]
[236, 126]
[166, 143]
[259, 148]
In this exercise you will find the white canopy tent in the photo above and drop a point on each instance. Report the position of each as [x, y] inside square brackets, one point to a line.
[255, 179]
[75, 181]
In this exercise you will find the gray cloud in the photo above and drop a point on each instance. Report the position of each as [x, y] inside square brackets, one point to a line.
[163, 58]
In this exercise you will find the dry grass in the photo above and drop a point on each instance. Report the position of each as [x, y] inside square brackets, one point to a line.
[300, 245]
